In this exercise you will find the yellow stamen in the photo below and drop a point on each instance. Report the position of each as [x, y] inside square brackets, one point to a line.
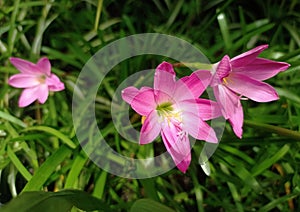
[225, 80]
[143, 119]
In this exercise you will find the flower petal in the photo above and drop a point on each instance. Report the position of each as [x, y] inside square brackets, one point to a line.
[44, 65]
[223, 69]
[236, 120]
[251, 88]
[164, 79]
[24, 80]
[204, 108]
[227, 99]
[261, 69]
[197, 128]
[208, 109]
[42, 93]
[192, 86]
[129, 93]
[29, 95]
[246, 58]
[25, 66]
[150, 129]
[144, 102]
[177, 146]
[54, 83]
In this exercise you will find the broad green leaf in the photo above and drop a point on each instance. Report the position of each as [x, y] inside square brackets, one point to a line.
[148, 205]
[61, 201]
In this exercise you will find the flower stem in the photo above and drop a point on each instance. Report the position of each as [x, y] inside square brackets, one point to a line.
[274, 129]
[199, 66]
[38, 115]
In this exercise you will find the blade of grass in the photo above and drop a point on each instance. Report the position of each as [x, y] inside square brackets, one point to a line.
[12, 119]
[54, 132]
[100, 185]
[77, 166]
[98, 14]
[260, 167]
[174, 13]
[150, 190]
[224, 30]
[279, 200]
[47, 168]
[18, 164]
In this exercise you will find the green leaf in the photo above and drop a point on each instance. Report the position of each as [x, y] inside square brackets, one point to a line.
[61, 201]
[77, 167]
[47, 168]
[260, 167]
[12, 119]
[148, 205]
[18, 164]
[278, 201]
[54, 132]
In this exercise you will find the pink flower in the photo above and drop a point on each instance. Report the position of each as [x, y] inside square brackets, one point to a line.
[36, 79]
[172, 108]
[243, 76]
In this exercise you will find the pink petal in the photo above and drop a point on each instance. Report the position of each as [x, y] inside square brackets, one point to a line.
[204, 108]
[227, 99]
[208, 109]
[165, 66]
[25, 66]
[197, 128]
[29, 95]
[54, 83]
[164, 79]
[192, 86]
[44, 65]
[223, 69]
[177, 146]
[129, 93]
[253, 89]
[150, 129]
[24, 80]
[248, 57]
[42, 93]
[261, 69]
[236, 120]
[144, 102]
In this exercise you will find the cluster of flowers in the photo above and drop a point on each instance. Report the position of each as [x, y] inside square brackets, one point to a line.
[174, 110]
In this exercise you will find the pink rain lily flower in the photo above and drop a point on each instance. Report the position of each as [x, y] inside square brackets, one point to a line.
[243, 76]
[36, 79]
[172, 108]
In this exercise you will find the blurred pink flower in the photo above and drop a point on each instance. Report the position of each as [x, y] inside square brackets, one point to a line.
[243, 76]
[172, 108]
[36, 79]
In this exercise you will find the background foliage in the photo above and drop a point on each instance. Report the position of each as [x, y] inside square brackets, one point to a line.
[258, 173]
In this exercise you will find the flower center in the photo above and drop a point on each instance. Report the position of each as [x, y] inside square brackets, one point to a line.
[225, 80]
[167, 112]
[42, 79]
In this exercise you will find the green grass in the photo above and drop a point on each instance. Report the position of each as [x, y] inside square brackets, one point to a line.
[256, 173]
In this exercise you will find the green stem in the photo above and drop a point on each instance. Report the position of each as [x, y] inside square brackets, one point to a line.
[98, 14]
[199, 66]
[274, 129]
[38, 115]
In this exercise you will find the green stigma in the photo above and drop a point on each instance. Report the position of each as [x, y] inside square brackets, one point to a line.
[164, 108]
